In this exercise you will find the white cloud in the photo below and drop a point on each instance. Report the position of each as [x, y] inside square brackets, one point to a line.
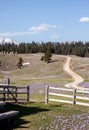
[41, 27]
[8, 34]
[84, 19]
[54, 36]
[32, 30]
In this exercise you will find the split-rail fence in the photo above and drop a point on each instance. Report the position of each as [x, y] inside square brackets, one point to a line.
[66, 95]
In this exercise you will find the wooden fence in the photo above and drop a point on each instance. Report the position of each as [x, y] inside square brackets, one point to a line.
[64, 95]
[8, 93]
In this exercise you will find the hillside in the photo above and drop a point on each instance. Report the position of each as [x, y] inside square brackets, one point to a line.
[8, 62]
[81, 66]
[38, 72]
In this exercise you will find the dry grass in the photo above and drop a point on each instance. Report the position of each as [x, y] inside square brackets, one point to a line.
[39, 72]
[36, 72]
[81, 66]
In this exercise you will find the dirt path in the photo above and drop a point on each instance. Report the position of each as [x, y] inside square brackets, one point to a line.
[77, 79]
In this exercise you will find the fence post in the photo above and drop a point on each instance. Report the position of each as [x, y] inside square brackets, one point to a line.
[28, 93]
[7, 81]
[16, 91]
[7, 84]
[47, 94]
[74, 97]
[4, 95]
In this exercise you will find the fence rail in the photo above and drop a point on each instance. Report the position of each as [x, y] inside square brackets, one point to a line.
[17, 94]
[72, 96]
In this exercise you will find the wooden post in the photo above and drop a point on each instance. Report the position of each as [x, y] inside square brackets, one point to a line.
[4, 95]
[28, 93]
[47, 94]
[74, 97]
[16, 91]
[7, 81]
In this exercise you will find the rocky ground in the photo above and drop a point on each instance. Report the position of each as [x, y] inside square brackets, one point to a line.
[74, 122]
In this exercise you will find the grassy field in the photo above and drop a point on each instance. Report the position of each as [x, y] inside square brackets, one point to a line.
[36, 72]
[37, 115]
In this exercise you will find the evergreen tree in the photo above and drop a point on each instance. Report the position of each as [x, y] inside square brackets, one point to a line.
[47, 56]
[64, 48]
[20, 63]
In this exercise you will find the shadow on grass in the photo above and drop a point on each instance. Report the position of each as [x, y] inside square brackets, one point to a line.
[24, 110]
[54, 61]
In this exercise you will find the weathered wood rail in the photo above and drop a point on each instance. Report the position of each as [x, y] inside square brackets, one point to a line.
[64, 95]
[7, 119]
[8, 115]
[17, 94]
[2, 103]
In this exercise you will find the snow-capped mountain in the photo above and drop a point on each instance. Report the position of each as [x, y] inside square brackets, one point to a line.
[4, 40]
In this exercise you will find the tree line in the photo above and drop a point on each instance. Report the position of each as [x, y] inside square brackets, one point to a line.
[77, 48]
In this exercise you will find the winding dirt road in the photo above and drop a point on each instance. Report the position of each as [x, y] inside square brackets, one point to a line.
[77, 79]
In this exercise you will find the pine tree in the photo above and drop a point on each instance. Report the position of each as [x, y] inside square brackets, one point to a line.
[19, 64]
[47, 55]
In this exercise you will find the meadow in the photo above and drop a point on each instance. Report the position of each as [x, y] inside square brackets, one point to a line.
[37, 115]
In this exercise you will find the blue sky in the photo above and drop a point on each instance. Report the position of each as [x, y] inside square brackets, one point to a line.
[44, 20]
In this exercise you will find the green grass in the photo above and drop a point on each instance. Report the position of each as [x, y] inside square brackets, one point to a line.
[55, 81]
[38, 115]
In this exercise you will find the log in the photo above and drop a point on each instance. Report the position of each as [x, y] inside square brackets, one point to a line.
[8, 114]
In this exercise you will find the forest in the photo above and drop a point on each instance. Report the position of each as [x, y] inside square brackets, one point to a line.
[77, 48]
